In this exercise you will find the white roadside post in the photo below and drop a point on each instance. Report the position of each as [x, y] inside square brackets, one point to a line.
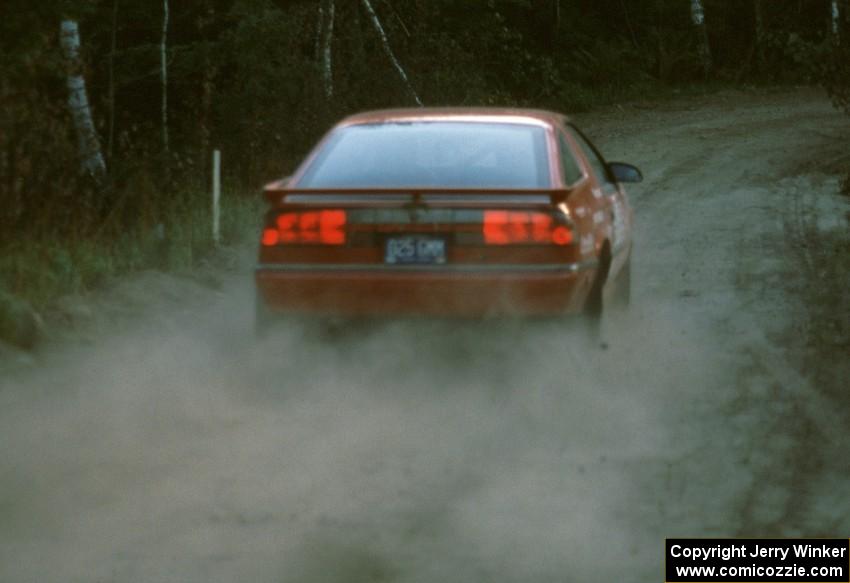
[216, 197]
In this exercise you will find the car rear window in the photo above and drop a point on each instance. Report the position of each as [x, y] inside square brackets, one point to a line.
[432, 154]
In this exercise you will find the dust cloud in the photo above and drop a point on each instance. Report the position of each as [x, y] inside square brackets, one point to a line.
[397, 451]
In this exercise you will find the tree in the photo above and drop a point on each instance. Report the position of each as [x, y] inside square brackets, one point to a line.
[834, 20]
[164, 75]
[326, 12]
[385, 43]
[112, 45]
[78, 104]
[698, 20]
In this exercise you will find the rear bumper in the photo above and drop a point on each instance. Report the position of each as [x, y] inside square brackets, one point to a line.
[455, 291]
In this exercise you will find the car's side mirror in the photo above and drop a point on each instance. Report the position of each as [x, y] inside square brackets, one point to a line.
[625, 172]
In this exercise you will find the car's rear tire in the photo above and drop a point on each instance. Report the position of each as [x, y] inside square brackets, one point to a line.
[595, 304]
[623, 292]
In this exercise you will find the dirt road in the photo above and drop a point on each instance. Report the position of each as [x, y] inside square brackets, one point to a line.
[154, 442]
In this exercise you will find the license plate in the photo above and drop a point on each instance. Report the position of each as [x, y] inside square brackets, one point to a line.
[415, 250]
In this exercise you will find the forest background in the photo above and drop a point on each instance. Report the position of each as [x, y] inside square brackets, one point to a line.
[168, 81]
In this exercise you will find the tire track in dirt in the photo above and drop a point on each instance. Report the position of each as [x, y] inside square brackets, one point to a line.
[788, 421]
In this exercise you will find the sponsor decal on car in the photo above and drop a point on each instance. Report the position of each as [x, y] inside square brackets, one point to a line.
[586, 245]
[619, 235]
[598, 217]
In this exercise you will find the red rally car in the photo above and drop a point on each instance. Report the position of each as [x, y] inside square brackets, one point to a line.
[447, 212]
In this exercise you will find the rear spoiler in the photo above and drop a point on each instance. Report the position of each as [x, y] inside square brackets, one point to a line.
[277, 195]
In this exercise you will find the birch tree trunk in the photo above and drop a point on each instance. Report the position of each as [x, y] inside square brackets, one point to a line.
[835, 20]
[91, 155]
[320, 24]
[389, 51]
[164, 73]
[698, 20]
[111, 137]
[327, 53]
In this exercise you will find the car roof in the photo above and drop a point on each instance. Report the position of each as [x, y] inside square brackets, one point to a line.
[538, 117]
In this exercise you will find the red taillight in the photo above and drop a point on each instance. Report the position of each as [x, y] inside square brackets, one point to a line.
[496, 228]
[316, 227]
[509, 227]
[561, 235]
[271, 237]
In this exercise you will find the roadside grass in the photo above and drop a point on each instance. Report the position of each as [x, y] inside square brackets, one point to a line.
[37, 270]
